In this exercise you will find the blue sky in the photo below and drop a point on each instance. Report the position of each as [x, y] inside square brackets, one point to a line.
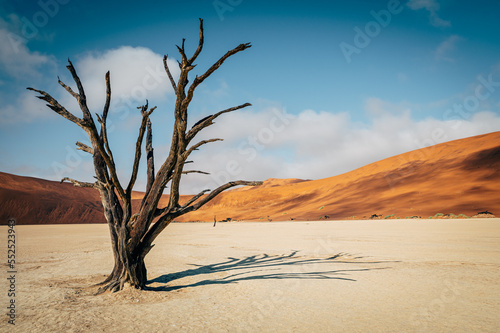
[335, 85]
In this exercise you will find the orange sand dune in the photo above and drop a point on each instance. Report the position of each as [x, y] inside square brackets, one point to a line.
[459, 177]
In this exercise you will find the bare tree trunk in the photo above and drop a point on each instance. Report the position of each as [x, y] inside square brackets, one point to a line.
[129, 269]
[132, 235]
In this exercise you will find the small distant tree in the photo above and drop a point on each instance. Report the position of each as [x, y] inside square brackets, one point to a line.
[132, 235]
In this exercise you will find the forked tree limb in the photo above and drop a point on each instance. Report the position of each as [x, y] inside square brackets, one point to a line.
[87, 123]
[85, 148]
[81, 97]
[199, 79]
[104, 138]
[58, 108]
[183, 53]
[90, 128]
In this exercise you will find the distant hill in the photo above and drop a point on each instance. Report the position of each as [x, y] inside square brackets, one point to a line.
[459, 177]
[38, 201]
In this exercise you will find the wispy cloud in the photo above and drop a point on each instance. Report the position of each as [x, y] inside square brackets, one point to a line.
[446, 47]
[432, 6]
[16, 60]
[24, 109]
[19, 65]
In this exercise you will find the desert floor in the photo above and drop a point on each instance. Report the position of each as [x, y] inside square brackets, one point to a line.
[333, 276]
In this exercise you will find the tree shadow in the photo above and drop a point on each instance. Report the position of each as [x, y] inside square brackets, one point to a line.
[261, 267]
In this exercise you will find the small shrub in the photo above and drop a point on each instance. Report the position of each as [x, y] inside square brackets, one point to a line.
[320, 208]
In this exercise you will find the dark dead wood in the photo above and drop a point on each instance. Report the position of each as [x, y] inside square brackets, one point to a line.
[200, 44]
[195, 171]
[199, 79]
[196, 146]
[84, 147]
[209, 121]
[169, 74]
[68, 89]
[196, 197]
[142, 130]
[220, 189]
[58, 108]
[133, 233]
[108, 98]
[81, 98]
[78, 183]
[150, 164]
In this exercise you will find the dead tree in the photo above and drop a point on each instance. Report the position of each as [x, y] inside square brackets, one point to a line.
[132, 235]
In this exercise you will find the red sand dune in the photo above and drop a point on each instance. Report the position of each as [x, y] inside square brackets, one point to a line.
[38, 201]
[459, 177]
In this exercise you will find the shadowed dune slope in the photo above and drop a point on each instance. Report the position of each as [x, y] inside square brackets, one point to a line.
[37, 201]
[459, 177]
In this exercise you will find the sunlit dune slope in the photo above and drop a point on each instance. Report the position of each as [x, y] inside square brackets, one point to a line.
[459, 177]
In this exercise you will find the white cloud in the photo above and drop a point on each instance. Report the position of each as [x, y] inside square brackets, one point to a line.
[432, 6]
[446, 47]
[17, 60]
[136, 73]
[316, 145]
[18, 64]
[26, 109]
